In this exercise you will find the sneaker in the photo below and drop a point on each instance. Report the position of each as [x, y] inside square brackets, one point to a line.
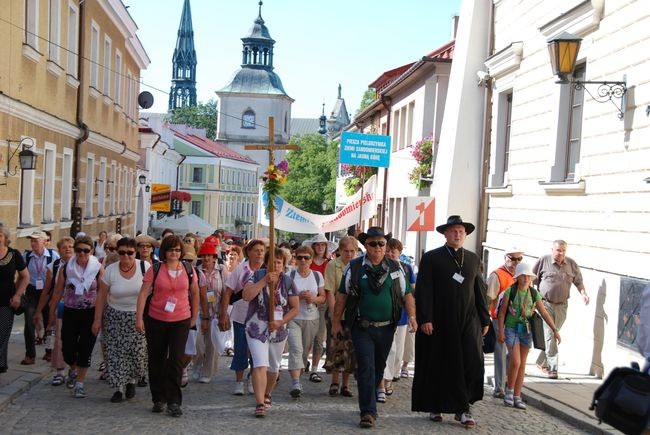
[78, 392]
[204, 380]
[435, 416]
[174, 409]
[296, 391]
[466, 420]
[552, 374]
[130, 391]
[381, 396]
[509, 398]
[518, 403]
[404, 373]
[158, 407]
[239, 389]
[498, 394]
[70, 379]
[249, 384]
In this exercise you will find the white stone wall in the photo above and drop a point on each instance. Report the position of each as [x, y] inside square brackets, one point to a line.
[606, 222]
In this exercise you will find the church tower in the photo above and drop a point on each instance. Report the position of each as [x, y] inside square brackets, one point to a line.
[254, 93]
[183, 90]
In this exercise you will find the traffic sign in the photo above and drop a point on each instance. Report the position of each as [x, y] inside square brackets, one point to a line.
[420, 213]
[365, 149]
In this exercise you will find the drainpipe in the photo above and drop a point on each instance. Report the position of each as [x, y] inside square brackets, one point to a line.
[387, 102]
[487, 127]
[79, 118]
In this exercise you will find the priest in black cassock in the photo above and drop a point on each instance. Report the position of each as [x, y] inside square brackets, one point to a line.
[453, 315]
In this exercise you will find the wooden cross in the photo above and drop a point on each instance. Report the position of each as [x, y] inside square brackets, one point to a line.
[271, 147]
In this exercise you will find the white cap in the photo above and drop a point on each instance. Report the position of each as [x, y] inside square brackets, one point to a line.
[514, 250]
[524, 269]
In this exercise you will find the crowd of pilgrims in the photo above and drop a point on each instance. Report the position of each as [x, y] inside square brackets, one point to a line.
[165, 310]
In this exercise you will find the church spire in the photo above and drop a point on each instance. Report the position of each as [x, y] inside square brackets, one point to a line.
[183, 89]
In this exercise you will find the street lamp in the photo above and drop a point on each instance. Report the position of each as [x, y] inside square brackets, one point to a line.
[563, 51]
[26, 157]
[142, 179]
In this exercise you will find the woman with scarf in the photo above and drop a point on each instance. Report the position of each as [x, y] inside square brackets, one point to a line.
[126, 348]
[266, 339]
[77, 283]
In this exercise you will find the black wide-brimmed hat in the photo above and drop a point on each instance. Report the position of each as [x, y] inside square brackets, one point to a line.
[374, 232]
[455, 220]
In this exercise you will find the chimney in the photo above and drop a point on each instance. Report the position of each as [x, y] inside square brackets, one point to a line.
[454, 26]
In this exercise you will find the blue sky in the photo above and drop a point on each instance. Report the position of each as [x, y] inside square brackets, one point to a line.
[318, 44]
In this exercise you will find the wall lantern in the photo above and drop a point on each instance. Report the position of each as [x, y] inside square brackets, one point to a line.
[26, 157]
[563, 51]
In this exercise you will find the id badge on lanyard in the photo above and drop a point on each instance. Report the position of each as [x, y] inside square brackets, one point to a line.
[170, 305]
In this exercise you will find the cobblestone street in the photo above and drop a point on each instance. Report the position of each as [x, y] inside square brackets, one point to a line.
[211, 408]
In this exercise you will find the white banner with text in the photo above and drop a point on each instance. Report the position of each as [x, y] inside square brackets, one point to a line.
[292, 219]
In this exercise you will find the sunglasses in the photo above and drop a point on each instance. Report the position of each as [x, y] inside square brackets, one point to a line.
[175, 250]
[145, 245]
[374, 244]
[129, 253]
[303, 257]
[84, 250]
[515, 258]
[111, 248]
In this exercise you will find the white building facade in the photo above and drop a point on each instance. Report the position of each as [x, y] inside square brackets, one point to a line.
[563, 166]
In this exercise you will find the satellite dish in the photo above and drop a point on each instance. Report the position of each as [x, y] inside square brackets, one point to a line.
[145, 99]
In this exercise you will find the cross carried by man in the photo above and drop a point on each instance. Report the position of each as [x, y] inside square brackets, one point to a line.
[271, 147]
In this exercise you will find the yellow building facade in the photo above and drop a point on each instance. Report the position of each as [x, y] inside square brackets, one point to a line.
[68, 89]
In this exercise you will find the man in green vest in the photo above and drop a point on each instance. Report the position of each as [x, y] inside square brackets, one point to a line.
[372, 292]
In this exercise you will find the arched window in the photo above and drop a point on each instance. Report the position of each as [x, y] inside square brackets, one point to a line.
[248, 119]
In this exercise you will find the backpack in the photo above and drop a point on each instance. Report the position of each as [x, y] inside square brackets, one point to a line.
[30, 254]
[293, 277]
[623, 400]
[533, 294]
[55, 270]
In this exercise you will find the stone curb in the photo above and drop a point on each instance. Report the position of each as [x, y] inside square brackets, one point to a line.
[20, 385]
[565, 412]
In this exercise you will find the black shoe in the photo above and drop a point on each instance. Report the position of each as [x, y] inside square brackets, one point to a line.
[142, 382]
[130, 391]
[158, 407]
[174, 410]
[117, 397]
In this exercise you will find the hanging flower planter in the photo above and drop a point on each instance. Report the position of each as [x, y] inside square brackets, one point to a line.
[422, 152]
[353, 183]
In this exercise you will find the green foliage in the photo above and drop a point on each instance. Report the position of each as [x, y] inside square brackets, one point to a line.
[311, 185]
[203, 115]
[368, 97]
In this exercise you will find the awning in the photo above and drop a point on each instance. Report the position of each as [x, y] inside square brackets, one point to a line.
[186, 224]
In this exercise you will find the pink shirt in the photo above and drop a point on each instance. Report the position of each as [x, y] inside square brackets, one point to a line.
[170, 289]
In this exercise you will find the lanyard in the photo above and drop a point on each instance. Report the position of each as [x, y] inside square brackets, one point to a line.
[40, 265]
[462, 258]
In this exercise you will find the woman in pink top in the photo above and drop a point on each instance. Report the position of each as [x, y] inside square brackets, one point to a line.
[167, 308]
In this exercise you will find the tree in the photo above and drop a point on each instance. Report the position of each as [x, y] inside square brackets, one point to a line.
[311, 184]
[203, 115]
[369, 96]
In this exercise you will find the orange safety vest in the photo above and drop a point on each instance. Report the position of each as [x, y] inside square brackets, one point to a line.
[505, 281]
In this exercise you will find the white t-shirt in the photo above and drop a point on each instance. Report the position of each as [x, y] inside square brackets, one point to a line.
[123, 293]
[236, 281]
[308, 311]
